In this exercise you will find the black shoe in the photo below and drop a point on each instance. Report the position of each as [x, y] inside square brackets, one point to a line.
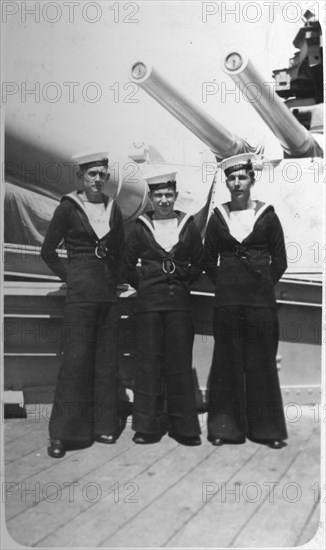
[189, 440]
[276, 444]
[56, 448]
[107, 439]
[217, 442]
[146, 439]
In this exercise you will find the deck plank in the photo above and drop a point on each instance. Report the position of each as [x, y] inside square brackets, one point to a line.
[149, 477]
[30, 442]
[182, 505]
[102, 477]
[142, 456]
[16, 427]
[164, 504]
[222, 518]
[294, 499]
[183, 499]
[312, 528]
[37, 470]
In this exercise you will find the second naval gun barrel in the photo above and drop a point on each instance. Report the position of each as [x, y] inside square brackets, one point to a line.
[293, 136]
[219, 139]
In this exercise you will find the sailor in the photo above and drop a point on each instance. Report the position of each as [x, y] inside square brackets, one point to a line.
[244, 256]
[89, 223]
[169, 247]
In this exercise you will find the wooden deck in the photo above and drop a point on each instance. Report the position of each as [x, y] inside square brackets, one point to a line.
[162, 495]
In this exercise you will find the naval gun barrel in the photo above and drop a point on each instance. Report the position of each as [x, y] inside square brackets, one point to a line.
[293, 136]
[219, 139]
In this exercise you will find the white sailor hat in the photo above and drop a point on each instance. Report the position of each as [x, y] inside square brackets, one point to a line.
[91, 157]
[245, 161]
[159, 178]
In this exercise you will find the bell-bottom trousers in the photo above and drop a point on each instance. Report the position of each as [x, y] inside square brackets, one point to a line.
[244, 392]
[164, 393]
[86, 394]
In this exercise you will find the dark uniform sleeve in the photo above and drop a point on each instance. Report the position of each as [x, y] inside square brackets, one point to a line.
[211, 252]
[131, 258]
[54, 235]
[119, 241]
[277, 251]
[196, 254]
